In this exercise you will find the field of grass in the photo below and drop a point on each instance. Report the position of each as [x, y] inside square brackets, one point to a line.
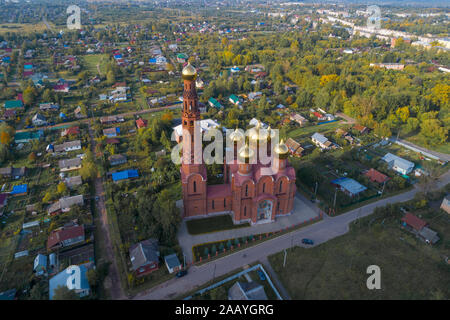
[23, 28]
[410, 269]
[91, 61]
[212, 224]
[308, 131]
[443, 148]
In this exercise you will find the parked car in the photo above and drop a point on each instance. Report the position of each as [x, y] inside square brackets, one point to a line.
[261, 275]
[307, 241]
[181, 273]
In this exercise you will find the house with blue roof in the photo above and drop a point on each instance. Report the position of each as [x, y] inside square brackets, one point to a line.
[172, 263]
[40, 265]
[20, 190]
[8, 295]
[349, 186]
[124, 175]
[74, 278]
[398, 164]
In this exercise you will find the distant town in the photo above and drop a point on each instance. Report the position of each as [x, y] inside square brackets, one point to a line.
[349, 102]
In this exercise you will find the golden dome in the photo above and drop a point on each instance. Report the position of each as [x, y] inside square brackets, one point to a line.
[246, 152]
[189, 72]
[236, 136]
[257, 134]
[281, 148]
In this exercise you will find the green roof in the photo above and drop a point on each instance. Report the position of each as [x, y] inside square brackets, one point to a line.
[27, 135]
[10, 104]
[215, 102]
[234, 98]
[182, 56]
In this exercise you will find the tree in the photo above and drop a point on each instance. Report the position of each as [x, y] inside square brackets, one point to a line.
[110, 77]
[29, 95]
[63, 293]
[47, 197]
[61, 188]
[32, 157]
[433, 132]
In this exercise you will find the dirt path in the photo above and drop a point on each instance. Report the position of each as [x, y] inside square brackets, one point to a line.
[115, 286]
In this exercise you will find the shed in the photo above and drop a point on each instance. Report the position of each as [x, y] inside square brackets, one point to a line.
[172, 263]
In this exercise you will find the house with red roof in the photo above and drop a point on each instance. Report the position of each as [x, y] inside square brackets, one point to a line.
[65, 236]
[141, 123]
[376, 176]
[413, 222]
[70, 131]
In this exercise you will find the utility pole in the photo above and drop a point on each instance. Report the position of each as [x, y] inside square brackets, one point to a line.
[315, 191]
[334, 202]
[284, 262]
[384, 183]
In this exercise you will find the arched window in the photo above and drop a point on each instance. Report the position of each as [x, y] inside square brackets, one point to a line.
[281, 185]
[195, 186]
[224, 203]
[264, 187]
[213, 204]
[245, 211]
[246, 190]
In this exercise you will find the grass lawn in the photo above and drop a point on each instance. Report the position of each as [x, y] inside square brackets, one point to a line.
[308, 131]
[92, 60]
[443, 148]
[410, 269]
[212, 224]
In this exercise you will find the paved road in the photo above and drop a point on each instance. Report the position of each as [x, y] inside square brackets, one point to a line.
[442, 156]
[114, 284]
[88, 120]
[320, 232]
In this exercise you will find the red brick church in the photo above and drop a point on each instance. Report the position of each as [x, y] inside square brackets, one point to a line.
[249, 193]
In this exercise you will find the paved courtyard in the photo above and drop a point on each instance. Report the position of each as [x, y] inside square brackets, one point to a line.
[304, 210]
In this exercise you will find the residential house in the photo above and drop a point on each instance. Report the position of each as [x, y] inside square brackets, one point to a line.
[172, 263]
[361, 129]
[19, 190]
[27, 136]
[68, 146]
[445, 205]
[11, 172]
[234, 99]
[247, 291]
[398, 164]
[72, 131]
[79, 113]
[9, 114]
[349, 186]
[65, 236]
[111, 132]
[72, 182]
[420, 228]
[74, 278]
[69, 164]
[299, 119]
[294, 147]
[40, 265]
[214, 103]
[117, 159]
[321, 141]
[390, 66]
[39, 120]
[141, 123]
[319, 116]
[63, 87]
[8, 295]
[144, 257]
[124, 175]
[111, 119]
[49, 106]
[64, 204]
[205, 126]
[13, 104]
[254, 95]
[376, 176]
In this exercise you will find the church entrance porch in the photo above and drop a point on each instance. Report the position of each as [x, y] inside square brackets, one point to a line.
[264, 211]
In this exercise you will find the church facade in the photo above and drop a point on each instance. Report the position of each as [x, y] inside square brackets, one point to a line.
[252, 192]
